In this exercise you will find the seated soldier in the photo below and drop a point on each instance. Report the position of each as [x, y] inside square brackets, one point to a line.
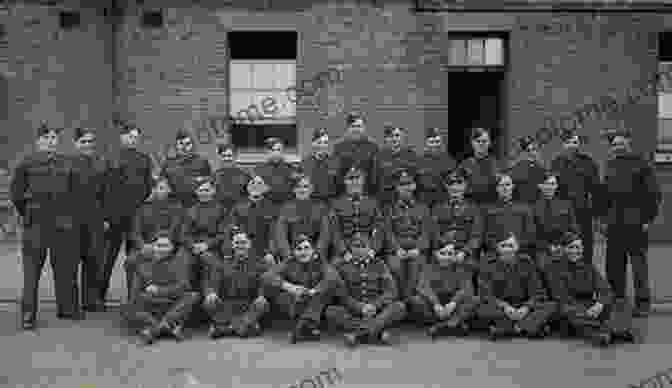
[162, 296]
[586, 305]
[161, 212]
[301, 286]
[368, 296]
[513, 299]
[445, 296]
[233, 291]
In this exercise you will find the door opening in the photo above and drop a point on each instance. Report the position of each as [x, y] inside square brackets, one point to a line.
[474, 100]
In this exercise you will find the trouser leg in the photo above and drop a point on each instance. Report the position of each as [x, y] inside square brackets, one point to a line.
[638, 249]
[585, 222]
[618, 317]
[465, 310]
[252, 315]
[390, 314]
[420, 310]
[224, 311]
[616, 265]
[116, 234]
[92, 253]
[34, 253]
[489, 313]
[64, 257]
[179, 312]
[130, 265]
[341, 318]
[140, 312]
[539, 315]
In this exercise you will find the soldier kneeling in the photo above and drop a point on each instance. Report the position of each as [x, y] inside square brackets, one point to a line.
[162, 296]
[233, 291]
[445, 296]
[586, 305]
[514, 299]
[368, 296]
[301, 287]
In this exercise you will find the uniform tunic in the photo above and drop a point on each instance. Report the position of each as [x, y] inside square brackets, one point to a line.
[257, 219]
[206, 222]
[431, 168]
[323, 172]
[309, 217]
[231, 185]
[458, 220]
[352, 214]
[514, 217]
[527, 175]
[360, 152]
[155, 216]
[552, 217]
[181, 171]
[278, 177]
[481, 183]
[387, 162]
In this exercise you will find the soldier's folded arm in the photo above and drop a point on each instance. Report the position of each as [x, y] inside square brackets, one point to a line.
[183, 277]
[276, 275]
[216, 241]
[390, 291]
[330, 279]
[424, 287]
[466, 290]
[653, 188]
[602, 288]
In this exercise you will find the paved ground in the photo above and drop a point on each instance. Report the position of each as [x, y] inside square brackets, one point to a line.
[99, 353]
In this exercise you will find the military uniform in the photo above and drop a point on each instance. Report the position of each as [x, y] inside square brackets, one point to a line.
[513, 217]
[257, 219]
[131, 183]
[366, 280]
[460, 220]
[480, 175]
[527, 173]
[175, 298]
[431, 169]
[552, 217]
[579, 182]
[323, 171]
[360, 152]
[92, 192]
[231, 183]
[631, 199]
[517, 283]
[297, 217]
[40, 191]
[352, 214]
[181, 172]
[387, 162]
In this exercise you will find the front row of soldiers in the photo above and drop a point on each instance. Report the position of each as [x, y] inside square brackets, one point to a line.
[384, 267]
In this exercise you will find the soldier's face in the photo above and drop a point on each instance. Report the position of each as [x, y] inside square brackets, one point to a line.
[571, 144]
[48, 142]
[434, 144]
[481, 144]
[227, 156]
[163, 247]
[507, 248]
[184, 146]
[161, 189]
[206, 192]
[303, 189]
[532, 151]
[447, 255]
[304, 252]
[354, 184]
[86, 144]
[556, 249]
[457, 189]
[406, 189]
[574, 251]
[549, 186]
[395, 138]
[256, 186]
[241, 243]
[505, 187]
[357, 127]
[620, 144]
[275, 152]
[321, 144]
[130, 139]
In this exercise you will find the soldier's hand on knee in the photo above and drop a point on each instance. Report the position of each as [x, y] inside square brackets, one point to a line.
[369, 310]
[414, 253]
[269, 259]
[450, 308]
[347, 256]
[211, 299]
[401, 253]
[510, 312]
[438, 310]
[147, 249]
[523, 311]
[595, 310]
[152, 289]
[200, 247]
[106, 225]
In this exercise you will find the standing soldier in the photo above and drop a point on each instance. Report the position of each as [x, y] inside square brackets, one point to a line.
[40, 192]
[303, 215]
[355, 212]
[585, 300]
[131, 182]
[389, 160]
[276, 172]
[434, 164]
[408, 226]
[322, 168]
[368, 296]
[631, 203]
[457, 218]
[481, 169]
[230, 177]
[357, 148]
[92, 192]
[527, 172]
[579, 182]
[184, 167]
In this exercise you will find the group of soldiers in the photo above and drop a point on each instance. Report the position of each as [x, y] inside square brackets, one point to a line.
[358, 238]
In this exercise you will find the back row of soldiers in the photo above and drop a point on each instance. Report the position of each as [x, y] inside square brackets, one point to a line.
[83, 207]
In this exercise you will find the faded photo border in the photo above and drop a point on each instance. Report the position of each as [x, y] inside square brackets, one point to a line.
[621, 6]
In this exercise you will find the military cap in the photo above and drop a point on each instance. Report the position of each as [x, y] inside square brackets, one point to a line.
[403, 176]
[225, 147]
[432, 132]
[163, 233]
[297, 176]
[300, 239]
[478, 132]
[548, 174]
[160, 178]
[203, 180]
[182, 134]
[354, 171]
[125, 127]
[352, 117]
[448, 239]
[567, 134]
[236, 231]
[569, 237]
[610, 134]
[272, 141]
[359, 238]
[525, 142]
[81, 132]
[44, 128]
[389, 130]
[319, 132]
[457, 175]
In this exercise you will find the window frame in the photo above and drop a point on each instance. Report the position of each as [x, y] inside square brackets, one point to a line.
[479, 35]
[663, 150]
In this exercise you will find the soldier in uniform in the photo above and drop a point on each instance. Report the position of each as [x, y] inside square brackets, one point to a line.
[160, 213]
[40, 191]
[184, 167]
[277, 173]
[507, 215]
[92, 191]
[527, 172]
[301, 287]
[631, 202]
[481, 168]
[303, 215]
[357, 148]
[586, 305]
[445, 296]
[355, 212]
[390, 159]
[162, 292]
[322, 168]
[408, 227]
[579, 180]
[552, 216]
[234, 297]
[131, 182]
[433, 165]
[230, 177]
[514, 301]
[367, 299]
[256, 216]
[457, 218]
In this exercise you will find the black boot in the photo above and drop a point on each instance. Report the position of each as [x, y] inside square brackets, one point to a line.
[355, 338]
[383, 338]
[627, 336]
[305, 330]
[219, 331]
[28, 321]
[598, 337]
[501, 330]
[177, 331]
[149, 335]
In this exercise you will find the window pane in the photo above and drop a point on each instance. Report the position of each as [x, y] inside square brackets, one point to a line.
[263, 44]
[241, 75]
[665, 105]
[251, 137]
[239, 101]
[665, 46]
[665, 134]
[458, 52]
[476, 51]
[263, 75]
[665, 82]
[285, 74]
[493, 51]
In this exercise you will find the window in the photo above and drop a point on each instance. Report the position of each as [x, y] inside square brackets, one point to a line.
[262, 74]
[69, 19]
[474, 52]
[152, 19]
[664, 149]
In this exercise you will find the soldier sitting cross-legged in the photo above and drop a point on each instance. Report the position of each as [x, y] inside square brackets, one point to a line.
[445, 296]
[162, 296]
[586, 304]
[368, 296]
[514, 301]
[233, 290]
[301, 287]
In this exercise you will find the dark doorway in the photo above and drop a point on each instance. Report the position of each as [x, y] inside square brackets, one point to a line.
[474, 100]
